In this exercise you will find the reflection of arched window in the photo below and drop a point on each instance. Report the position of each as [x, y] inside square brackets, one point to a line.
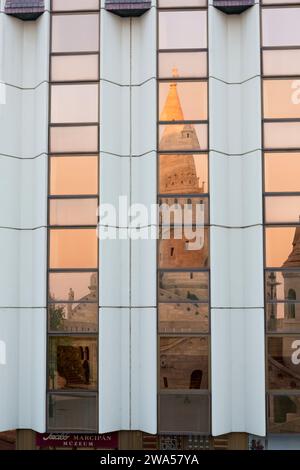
[87, 353]
[196, 379]
[291, 307]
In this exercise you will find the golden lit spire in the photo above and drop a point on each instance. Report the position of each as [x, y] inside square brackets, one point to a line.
[172, 110]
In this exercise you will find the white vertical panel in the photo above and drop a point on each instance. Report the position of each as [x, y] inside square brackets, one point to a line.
[24, 55]
[237, 335]
[128, 268]
[114, 401]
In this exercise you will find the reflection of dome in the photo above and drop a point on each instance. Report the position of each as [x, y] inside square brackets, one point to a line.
[293, 260]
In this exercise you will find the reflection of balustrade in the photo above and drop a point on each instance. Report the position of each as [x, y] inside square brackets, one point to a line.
[127, 8]
[233, 7]
[25, 9]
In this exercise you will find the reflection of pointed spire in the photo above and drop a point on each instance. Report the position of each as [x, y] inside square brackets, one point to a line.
[172, 110]
[178, 172]
[294, 257]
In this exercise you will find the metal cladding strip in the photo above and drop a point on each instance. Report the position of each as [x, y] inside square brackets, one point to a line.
[25, 9]
[233, 6]
[126, 8]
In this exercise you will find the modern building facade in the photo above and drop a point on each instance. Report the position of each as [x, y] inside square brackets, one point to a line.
[122, 330]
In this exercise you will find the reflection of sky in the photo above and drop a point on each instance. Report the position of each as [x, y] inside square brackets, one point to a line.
[282, 171]
[188, 64]
[182, 30]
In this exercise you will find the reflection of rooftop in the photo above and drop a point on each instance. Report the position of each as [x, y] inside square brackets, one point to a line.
[293, 259]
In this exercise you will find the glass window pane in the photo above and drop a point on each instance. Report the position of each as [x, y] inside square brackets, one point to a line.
[183, 286]
[181, 3]
[281, 99]
[283, 362]
[73, 318]
[74, 103]
[280, 2]
[72, 362]
[75, 33]
[179, 101]
[65, 5]
[183, 318]
[283, 317]
[188, 210]
[184, 414]
[73, 248]
[183, 363]
[180, 253]
[74, 68]
[182, 29]
[76, 286]
[282, 247]
[72, 413]
[183, 174]
[282, 172]
[284, 414]
[280, 26]
[73, 175]
[74, 139]
[73, 211]
[282, 134]
[284, 209]
[183, 137]
[182, 64]
[280, 283]
[281, 62]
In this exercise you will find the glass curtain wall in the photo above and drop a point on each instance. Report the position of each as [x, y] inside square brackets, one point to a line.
[281, 140]
[183, 270]
[73, 198]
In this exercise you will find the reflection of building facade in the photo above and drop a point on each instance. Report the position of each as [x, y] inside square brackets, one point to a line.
[153, 338]
[80, 315]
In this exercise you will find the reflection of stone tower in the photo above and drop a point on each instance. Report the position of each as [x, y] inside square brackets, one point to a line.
[292, 281]
[178, 173]
[178, 176]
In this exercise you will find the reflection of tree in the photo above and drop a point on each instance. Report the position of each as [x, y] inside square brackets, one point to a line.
[56, 317]
[69, 363]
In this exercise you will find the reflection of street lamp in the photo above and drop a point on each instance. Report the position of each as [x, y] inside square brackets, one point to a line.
[272, 284]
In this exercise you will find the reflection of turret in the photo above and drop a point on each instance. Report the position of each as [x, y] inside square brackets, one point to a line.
[292, 281]
[293, 260]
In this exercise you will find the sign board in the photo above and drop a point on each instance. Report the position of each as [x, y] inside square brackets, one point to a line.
[90, 441]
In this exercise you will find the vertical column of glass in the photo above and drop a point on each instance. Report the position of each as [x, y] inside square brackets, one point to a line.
[72, 381]
[183, 267]
[281, 137]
